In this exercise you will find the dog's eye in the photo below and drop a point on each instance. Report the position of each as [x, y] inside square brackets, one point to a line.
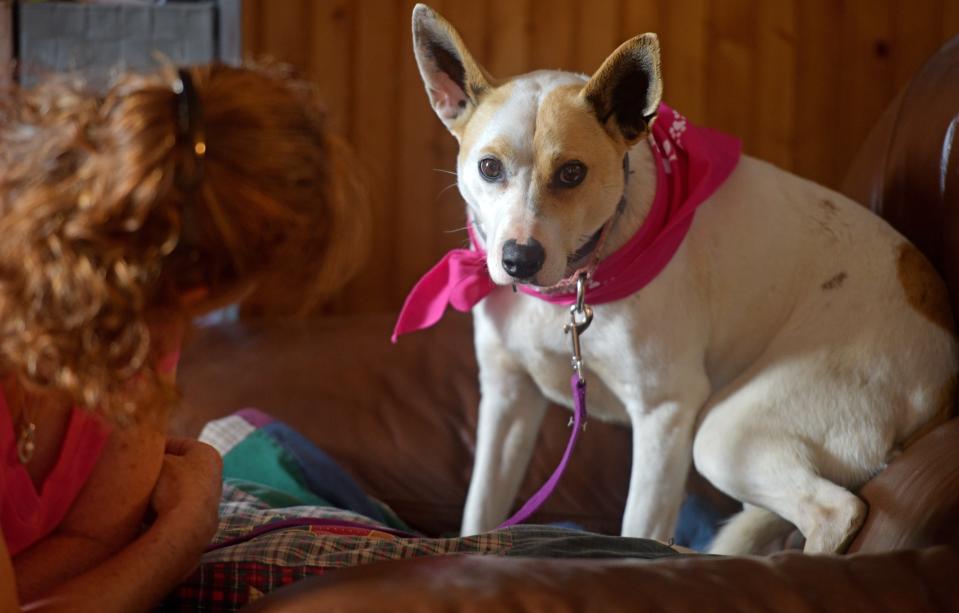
[491, 169]
[571, 174]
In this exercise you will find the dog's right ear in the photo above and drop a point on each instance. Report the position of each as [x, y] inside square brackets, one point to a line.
[626, 90]
[454, 81]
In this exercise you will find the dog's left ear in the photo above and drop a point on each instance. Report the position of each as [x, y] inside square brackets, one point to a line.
[626, 90]
[454, 81]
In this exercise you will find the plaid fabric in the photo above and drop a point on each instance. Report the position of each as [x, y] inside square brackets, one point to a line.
[259, 547]
[231, 585]
[258, 559]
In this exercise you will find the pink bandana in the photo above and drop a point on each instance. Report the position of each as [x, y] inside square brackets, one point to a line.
[691, 163]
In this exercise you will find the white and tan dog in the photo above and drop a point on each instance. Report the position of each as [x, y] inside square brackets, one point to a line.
[793, 343]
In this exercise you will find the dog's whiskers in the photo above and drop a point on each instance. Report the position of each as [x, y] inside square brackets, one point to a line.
[449, 172]
[445, 189]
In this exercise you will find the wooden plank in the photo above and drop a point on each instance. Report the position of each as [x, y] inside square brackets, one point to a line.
[331, 60]
[639, 17]
[913, 39]
[729, 66]
[596, 32]
[819, 92]
[284, 35]
[552, 33]
[683, 43]
[374, 137]
[252, 28]
[950, 19]
[867, 73]
[508, 37]
[774, 127]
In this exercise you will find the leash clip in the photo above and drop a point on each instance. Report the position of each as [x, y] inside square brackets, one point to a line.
[580, 316]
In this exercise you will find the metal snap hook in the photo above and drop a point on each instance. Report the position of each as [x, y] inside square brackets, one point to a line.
[580, 317]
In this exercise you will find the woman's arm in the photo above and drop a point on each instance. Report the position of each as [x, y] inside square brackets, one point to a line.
[106, 516]
[8, 586]
[135, 578]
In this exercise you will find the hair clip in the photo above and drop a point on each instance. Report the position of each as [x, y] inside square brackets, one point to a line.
[189, 116]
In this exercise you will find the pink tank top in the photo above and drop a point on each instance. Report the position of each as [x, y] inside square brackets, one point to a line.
[27, 515]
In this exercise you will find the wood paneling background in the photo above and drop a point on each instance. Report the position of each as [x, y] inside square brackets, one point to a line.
[800, 81]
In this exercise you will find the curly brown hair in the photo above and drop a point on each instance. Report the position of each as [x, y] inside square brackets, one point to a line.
[101, 239]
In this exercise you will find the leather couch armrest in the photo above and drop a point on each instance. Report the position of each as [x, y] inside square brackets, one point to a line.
[900, 581]
[914, 502]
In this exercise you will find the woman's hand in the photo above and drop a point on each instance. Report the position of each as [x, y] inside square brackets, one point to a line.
[185, 499]
[188, 489]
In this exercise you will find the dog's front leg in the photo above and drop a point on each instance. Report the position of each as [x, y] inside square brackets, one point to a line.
[510, 413]
[662, 452]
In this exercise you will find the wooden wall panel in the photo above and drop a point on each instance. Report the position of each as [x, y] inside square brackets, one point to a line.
[775, 73]
[867, 68]
[819, 95]
[596, 34]
[329, 60]
[419, 131]
[374, 129]
[639, 17]
[950, 20]
[684, 33]
[508, 43]
[800, 81]
[730, 67]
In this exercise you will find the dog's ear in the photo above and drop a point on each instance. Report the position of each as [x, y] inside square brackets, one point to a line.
[454, 81]
[626, 90]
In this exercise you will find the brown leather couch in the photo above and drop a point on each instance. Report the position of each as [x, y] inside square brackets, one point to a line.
[401, 419]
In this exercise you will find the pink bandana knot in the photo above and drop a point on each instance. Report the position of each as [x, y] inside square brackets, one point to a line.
[691, 163]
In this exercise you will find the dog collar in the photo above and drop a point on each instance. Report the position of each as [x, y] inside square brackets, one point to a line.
[691, 163]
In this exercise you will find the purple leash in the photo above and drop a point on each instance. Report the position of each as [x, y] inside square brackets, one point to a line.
[581, 315]
[579, 421]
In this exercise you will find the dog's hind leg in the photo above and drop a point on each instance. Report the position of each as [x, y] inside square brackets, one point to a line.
[754, 456]
[752, 530]
[828, 515]
[510, 414]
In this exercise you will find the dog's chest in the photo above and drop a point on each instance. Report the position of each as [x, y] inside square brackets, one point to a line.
[531, 331]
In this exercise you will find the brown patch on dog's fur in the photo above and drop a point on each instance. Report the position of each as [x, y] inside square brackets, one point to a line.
[835, 282]
[567, 130]
[924, 289]
[946, 403]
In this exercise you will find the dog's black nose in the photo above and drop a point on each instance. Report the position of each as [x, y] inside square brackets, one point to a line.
[523, 261]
